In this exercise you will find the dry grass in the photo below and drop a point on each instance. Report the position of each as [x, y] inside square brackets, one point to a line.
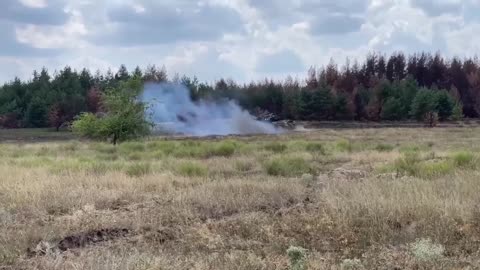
[354, 199]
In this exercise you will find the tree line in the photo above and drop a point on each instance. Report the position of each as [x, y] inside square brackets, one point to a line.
[397, 87]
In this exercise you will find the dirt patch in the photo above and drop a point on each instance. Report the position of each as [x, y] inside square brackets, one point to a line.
[78, 241]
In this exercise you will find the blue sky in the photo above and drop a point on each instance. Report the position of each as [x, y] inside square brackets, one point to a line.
[239, 39]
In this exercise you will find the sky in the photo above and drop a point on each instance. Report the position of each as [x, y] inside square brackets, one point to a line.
[239, 39]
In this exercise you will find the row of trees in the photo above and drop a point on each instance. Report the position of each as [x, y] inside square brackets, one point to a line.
[381, 88]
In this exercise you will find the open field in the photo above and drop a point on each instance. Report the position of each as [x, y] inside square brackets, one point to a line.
[390, 198]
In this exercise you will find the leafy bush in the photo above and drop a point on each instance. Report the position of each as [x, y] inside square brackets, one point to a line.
[192, 169]
[426, 250]
[276, 147]
[298, 258]
[287, 166]
[138, 169]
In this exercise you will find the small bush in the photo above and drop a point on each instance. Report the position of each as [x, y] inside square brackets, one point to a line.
[434, 169]
[192, 169]
[314, 147]
[138, 169]
[425, 250]
[464, 159]
[298, 258]
[344, 146]
[384, 147]
[287, 166]
[276, 147]
[224, 149]
[408, 164]
[349, 264]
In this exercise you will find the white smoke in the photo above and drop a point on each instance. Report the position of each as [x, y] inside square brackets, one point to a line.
[172, 110]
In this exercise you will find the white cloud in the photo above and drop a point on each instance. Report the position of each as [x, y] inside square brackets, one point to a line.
[198, 42]
[54, 37]
[34, 3]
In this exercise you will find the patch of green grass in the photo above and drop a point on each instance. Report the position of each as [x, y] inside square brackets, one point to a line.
[192, 169]
[316, 147]
[382, 147]
[129, 147]
[464, 159]
[104, 148]
[344, 146]
[138, 169]
[135, 156]
[224, 149]
[408, 164]
[434, 169]
[287, 166]
[276, 147]
[412, 164]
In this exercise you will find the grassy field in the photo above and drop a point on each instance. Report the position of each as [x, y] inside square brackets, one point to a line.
[391, 198]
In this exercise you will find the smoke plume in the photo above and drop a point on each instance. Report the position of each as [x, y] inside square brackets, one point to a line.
[173, 111]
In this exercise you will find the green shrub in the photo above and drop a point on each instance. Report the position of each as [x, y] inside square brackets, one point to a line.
[276, 147]
[408, 164]
[315, 147]
[287, 166]
[344, 146]
[464, 159]
[224, 149]
[192, 169]
[434, 169]
[297, 257]
[384, 147]
[138, 169]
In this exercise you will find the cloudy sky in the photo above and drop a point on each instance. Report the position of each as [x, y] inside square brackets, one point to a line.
[240, 39]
